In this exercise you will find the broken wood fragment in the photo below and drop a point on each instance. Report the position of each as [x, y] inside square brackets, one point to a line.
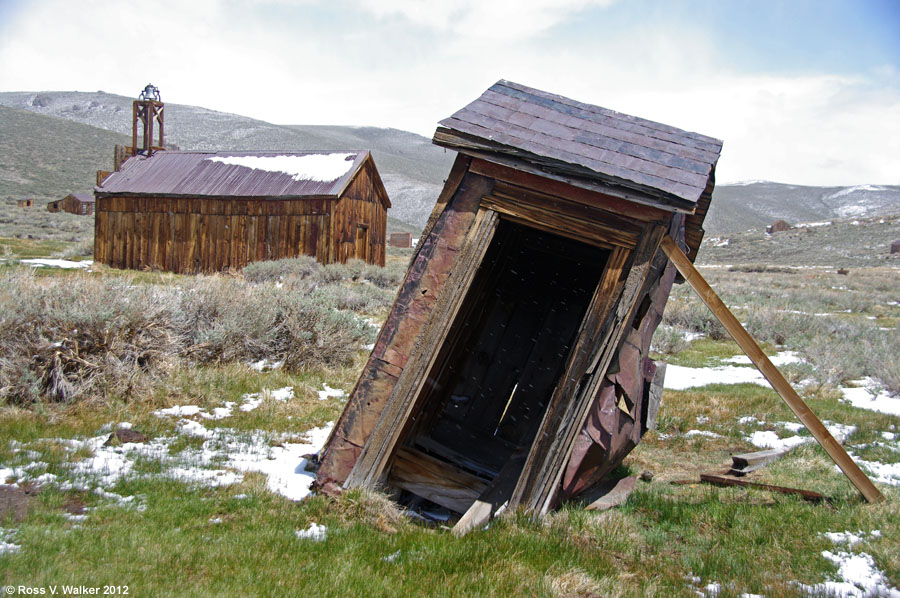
[720, 480]
[745, 463]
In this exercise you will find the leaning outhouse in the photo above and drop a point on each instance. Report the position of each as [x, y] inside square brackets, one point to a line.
[513, 367]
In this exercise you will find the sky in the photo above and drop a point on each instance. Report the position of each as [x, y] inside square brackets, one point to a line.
[800, 91]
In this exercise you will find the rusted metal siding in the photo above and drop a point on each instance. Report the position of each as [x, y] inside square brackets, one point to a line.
[580, 139]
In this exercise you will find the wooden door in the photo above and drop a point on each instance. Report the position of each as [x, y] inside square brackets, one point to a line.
[362, 242]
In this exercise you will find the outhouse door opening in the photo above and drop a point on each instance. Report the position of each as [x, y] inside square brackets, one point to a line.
[489, 387]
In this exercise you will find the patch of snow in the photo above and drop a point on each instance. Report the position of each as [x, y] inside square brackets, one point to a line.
[312, 167]
[702, 419]
[884, 473]
[869, 396]
[5, 545]
[254, 400]
[178, 411]
[779, 359]
[749, 420]
[314, 532]
[76, 518]
[391, 557]
[57, 263]
[264, 364]
[850, 538]
[859, 577]
[329, 392]
[769, 439]
[215, 520]
[189, 427]
[888, 435]
[792, 426]
[681, 378]
[813, 224]
[284, 465]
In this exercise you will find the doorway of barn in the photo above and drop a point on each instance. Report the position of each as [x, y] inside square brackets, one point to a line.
[362, 242]
[488, 389]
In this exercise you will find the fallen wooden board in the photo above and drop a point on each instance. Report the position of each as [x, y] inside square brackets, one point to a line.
[720, 480]
[747, 462]
[837, 453]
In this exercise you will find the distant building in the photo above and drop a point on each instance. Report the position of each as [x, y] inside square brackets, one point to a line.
[402, 240]
[895, 247]
[210, 211]
[74, 203]
[25, 203]
[778, 226]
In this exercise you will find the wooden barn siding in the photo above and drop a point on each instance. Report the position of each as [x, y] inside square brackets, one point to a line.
[361, 204]
[207, 235]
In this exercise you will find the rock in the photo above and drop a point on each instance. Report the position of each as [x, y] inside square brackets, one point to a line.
[124, 436]
[13, 503]
[647, 476]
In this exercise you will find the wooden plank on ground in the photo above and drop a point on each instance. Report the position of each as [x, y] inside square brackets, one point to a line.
[837, 453]
[720, 480]
[494, 496]
[438, 481]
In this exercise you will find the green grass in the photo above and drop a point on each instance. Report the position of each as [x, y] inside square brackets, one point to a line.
[752, 540]
[746, 539]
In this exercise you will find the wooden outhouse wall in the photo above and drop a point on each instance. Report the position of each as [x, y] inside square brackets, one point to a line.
[360, 219]
[208, 235]
[473, 186]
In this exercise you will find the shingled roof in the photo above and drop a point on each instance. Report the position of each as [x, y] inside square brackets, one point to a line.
[281, 175]
[585, 145]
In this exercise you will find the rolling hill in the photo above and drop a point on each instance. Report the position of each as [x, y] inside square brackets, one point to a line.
[42, 132]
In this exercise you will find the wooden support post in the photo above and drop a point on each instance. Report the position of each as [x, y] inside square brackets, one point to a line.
[778, 382]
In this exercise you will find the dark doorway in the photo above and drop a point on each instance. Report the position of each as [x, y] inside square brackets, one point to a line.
[489, 388]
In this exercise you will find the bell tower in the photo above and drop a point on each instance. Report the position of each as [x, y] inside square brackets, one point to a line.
[147, 112]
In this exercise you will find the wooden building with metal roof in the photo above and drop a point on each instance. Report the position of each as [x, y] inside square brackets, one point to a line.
[81, 204]
[183, 211]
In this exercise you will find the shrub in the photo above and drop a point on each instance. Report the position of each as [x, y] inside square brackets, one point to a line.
[76, 336]
[669, 340]
[303, 266]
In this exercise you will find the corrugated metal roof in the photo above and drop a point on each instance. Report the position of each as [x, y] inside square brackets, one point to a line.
[570, 137]
[221, 174]
[83, 197]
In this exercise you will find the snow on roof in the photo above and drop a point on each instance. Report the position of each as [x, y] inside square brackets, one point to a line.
[314, 167]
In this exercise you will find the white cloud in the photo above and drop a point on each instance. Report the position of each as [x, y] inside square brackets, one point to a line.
[496, 19]
[408, 63]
